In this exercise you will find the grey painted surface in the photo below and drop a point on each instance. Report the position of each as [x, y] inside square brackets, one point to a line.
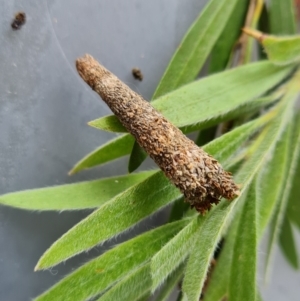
[283, 282]
[44, 108]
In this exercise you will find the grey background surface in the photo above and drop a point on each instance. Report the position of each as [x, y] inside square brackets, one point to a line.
[44, 108]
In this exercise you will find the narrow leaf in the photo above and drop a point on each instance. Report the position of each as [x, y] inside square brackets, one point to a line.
[132, 287]
[282, 17]
[271, 181]
[137, 157]
[196, 46]
[206, 242]
[231, 32]
[283, 200]
[228, 144]
[252, 166]
[75, 196]
[293, 209]
[242, 283]
[116, 148]
[100, 273]
[108, 123]
[219, 94]
[173, 253]
[115, 216]
[287, 243]
[170, 284]
[145, 297]
[250, 169]
[219, 280]
[265, 143]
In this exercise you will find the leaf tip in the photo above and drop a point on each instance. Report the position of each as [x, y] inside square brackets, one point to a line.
[75, 169]
[91, 123]
[72, 172]
[37, 267]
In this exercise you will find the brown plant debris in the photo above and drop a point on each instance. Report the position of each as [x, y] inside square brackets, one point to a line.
[18, 21]
[198, 175]
[137, 74]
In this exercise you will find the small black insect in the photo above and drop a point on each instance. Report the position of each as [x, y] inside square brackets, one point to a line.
[18, 21]
[137, 74]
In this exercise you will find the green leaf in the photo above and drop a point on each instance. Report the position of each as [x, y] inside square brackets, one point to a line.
[116, 148]
[193, 286]
[132, 287]
[249, 171]
[108, 123]
[226, 145]
[271, 182]
[250, 107]
[293, 210]
[100, 273]
[282, 17]
[196, 46]
[287, 243]
[282, 50]
[219, 279]
[115, 216]
[215, 96]
[264, 146]
[145, 297]
[231, 32]
[265, 143]
[75, 196]
[242, 283]
[206, 102]
[137, 157]
[201, 254]
[170, 283]
[283, 200]
[173, 253]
